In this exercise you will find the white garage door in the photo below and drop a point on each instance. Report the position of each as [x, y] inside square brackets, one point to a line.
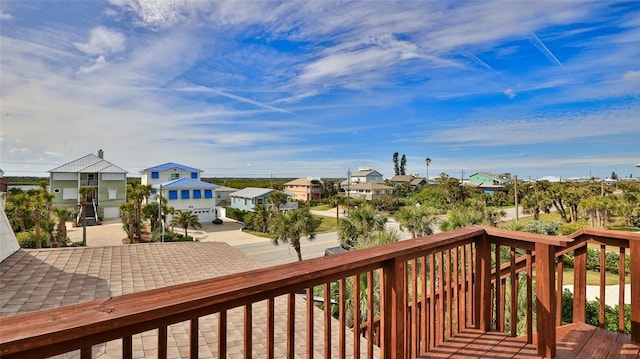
[205, 215]
[111, 212]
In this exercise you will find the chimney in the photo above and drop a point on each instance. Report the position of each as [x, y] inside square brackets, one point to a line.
[100, 154]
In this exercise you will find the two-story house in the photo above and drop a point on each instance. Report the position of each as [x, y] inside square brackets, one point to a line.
[183, 188]
[108, 180]
[306, 189]
[366, 175]
[489, 183]
[248, 198]
[369, 191]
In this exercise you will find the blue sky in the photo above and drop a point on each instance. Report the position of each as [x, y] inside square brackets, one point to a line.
[314, 88]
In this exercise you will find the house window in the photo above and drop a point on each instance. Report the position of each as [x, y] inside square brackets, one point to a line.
[197, 193]
[174, 176]
[112, 193]
[194, 175]
[208, 193]
[154, 191]
[184, 194]
[69, 193]
[173, 194]
[155, 175]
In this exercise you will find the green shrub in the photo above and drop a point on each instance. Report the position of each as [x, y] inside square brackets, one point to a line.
[236, 214]
[568, 228]
[549, 228]
[592, 313]
[26, 239]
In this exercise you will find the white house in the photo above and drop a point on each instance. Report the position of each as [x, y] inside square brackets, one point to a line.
[366, 175]
[183, 189]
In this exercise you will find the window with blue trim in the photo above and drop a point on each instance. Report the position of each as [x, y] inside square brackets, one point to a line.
[173, 194]
[184, 194]
[194, 175]
[154, 191]
[208, 193]
[155, 175]
[197, 193]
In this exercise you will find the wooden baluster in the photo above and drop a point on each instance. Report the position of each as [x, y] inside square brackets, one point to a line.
[291, 325]
[621, 273]
[222, 334]
[513, 299]
[634, 252]
[127, 348]
[473, 320]
[193, 339]
[86, 353]
[580, 284]
[343, 319]
[356, 317]
[270, 328]
[441, 303]
[498, 292]
[162, 342]
[482, 284]
[248, 331]
[424, 308]
[529, 315]
[560, 276]
[370, 317]
[456, 291]
[545, 299]
[432, 302]
[448, 306]
[463, 317]
[394, 315]
[603, 284]
[327, 321]
[414, 308]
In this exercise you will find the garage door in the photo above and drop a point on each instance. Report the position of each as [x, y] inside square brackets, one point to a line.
[111, 212]
[204, 215]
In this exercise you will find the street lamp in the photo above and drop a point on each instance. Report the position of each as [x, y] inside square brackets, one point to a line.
[427, 161]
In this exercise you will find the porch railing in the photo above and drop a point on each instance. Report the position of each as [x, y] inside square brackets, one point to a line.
[395, 301]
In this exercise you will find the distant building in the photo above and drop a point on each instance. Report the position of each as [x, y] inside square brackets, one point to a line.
[247, 199]
[489, 183]
[550, 179]
[306, 189]
[369, 191]
[109, 181]
[366, 175]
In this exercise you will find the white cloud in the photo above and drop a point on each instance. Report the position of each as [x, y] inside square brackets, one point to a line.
[98, 64]
[631, 75]
[510, 93]
[5, 16]
[103, 41]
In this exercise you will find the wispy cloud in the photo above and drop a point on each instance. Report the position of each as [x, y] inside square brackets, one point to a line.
[535, 40]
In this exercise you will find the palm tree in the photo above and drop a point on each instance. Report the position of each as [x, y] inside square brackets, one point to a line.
[259, 218]
[63, 214]
[19, 204]
[289, 227]
[534, 203]
[185, 219]
[128, 215]
[137, 193]
[84, 192]
[362, 222]
[416, 219]
[277, 199]
[337, 200]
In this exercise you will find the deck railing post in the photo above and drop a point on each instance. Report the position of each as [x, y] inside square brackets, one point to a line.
[634, 249]
[545, 300]
[482, 283]
[394, 309]
[580, 284]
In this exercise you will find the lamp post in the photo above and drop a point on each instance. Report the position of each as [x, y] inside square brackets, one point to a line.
[427, 161]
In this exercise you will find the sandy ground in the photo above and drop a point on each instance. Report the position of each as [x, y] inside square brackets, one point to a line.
[110, 233]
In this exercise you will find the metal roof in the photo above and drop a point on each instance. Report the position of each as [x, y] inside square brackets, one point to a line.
[89, 164]
[252, 192]
[172, 165]
[186, 183]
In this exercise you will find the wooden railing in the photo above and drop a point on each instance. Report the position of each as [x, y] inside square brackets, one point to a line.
[400, 300]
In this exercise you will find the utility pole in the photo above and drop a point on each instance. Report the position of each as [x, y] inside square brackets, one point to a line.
[515, 190]
[160, 214]
[348, 191]
[427, 161]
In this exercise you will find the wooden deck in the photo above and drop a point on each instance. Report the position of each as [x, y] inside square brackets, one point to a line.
[574, 341]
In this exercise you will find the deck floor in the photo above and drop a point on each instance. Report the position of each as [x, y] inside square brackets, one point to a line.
[574, 341]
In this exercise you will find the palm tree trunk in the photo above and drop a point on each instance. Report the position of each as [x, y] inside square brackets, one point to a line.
[36, 219]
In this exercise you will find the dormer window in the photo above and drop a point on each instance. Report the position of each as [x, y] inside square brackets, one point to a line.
[174, 176]
[194, 175]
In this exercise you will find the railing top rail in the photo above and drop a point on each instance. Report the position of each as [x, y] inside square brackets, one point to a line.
[603, 233]
[528, 237]
[109, 318]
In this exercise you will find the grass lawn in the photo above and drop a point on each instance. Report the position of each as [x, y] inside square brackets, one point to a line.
[328, 224]
[593, 277]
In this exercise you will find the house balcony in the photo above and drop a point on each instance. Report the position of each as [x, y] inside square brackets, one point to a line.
[473, 292]
[92, 183]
